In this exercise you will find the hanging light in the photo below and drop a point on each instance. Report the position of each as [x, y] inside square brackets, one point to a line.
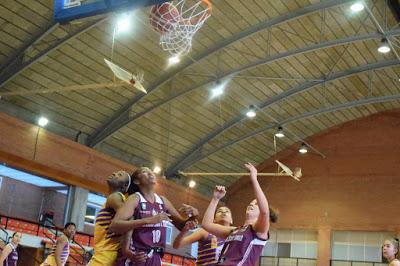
[218, 90]
[251, 112]
[174, 60]
[279, 133]
[43, 121]
[384, 46]
[192, 183]
[123, 23]
[157, 169]
[303, 148]
[357, 7]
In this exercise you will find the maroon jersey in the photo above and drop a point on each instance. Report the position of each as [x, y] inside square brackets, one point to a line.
[242, 247]
[149, 237]
[12, 258]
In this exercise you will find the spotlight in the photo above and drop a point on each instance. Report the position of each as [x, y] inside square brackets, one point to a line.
[157, 169]
[218, 90]
[384, 46]
[174, 60]
[123, 23]
[192, 183]
[251, 112]
[357, 7]
[43, 121]
[303, 148]
[279, 133]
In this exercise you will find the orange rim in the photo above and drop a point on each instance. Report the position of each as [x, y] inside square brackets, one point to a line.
[209, 5]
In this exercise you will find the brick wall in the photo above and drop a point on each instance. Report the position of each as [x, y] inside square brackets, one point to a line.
[355, 188]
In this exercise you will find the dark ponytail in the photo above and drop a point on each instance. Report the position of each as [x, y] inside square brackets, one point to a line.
[133, 188]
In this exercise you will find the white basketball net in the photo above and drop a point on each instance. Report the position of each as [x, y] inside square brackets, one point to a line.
[178, 40]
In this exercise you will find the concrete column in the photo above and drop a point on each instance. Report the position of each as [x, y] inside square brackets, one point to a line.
[324, 246]
[76, 207]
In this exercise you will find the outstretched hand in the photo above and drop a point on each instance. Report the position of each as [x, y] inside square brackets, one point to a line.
[252, 169]
[219, 192]
[189, 210]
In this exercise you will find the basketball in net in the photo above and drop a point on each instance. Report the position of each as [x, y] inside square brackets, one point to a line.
[164, 17]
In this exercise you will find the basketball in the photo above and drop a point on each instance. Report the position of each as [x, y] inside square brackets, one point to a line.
[164, 17]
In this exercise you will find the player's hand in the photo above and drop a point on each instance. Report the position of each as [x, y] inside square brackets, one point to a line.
[138, 257]
[190, 225]
[252, 169]
[219, 192]
[159, 218]
[189, 211]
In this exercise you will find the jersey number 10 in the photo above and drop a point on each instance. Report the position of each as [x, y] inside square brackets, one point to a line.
[156, 236]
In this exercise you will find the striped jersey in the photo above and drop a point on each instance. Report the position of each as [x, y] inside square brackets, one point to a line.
[208, 250]
[103, 239]
[12, 258]
[64, 254]
[242, 247]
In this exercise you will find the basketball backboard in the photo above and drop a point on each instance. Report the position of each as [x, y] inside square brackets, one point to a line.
[67, 10]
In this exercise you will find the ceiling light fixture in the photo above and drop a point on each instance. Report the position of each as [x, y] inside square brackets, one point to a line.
[192, 183]
[43, 121]
[218, 90]
[384, 46]
[157, 169]
[357, 7]
[123, 23]
[251, 112]
[174, 60]
[279, 133]
[303, 148]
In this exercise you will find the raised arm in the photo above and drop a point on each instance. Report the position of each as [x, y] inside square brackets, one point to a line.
[208, 218]
[262, 224]
[181, 240]
[177, 220]
[122, 223]
[4, 254]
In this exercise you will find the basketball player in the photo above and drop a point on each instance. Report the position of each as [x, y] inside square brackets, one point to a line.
[151, 213]
[390, 251]
[60, 251]
[107, 244]
[9, 255]
[210, 246]
[243, 245]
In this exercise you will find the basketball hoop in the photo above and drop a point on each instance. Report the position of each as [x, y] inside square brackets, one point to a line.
[178, 23]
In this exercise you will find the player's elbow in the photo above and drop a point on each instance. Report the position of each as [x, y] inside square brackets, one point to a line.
[176, 245]
[114, 227]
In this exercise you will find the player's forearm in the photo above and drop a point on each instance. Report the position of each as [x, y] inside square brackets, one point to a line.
[178, 240]
[121, 226]
[208, 217]
[260, 196]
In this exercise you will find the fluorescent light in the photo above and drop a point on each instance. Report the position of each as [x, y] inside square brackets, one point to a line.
[192, 183]
[174, 60]
[279, 133]
[303, 148]
[43, 121]
[123, 23]
[157, 169]
[357, 7]
[384, 47]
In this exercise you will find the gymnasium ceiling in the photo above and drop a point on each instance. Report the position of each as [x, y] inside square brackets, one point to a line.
[307, 64]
